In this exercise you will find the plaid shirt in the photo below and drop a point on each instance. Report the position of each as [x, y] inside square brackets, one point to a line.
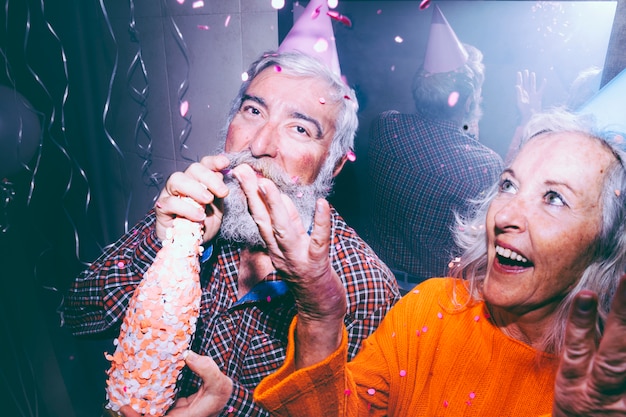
[420, 171]
[247, 337]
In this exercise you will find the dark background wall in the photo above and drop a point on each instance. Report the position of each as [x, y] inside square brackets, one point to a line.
[104, 83]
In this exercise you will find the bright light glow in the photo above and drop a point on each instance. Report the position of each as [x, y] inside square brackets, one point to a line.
[244, 76]
[278, 4]
[332, 3]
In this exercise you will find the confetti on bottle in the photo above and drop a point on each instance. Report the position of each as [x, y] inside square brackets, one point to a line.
[158, 325]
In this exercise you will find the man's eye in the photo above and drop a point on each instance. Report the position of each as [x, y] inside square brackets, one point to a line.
[251, 110]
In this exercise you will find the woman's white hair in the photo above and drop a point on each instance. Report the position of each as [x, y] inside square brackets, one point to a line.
[609, 250]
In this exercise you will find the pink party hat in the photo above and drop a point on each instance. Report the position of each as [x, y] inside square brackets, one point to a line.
[444, 52]
[312, 34]
[608, 105]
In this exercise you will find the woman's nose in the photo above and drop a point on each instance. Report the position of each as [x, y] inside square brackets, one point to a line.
[511, 214]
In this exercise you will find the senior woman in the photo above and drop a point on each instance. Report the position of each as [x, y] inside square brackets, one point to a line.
[521, 329]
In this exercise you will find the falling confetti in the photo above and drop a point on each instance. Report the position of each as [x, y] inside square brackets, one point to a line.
[197, 4]
[340, 18]
[402, 373]
[322, 100]
[398, 39]
[351, 156]
[277, 68]
[453, 98]
[316, 13]
[371, 391]
[227, 21]
[184, 108]
[424, 4]
[321, 45]
[204, 27]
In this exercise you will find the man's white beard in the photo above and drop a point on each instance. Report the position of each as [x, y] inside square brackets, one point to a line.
[237, 223]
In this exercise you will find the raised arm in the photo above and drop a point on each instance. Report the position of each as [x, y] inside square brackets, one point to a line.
[303, 262]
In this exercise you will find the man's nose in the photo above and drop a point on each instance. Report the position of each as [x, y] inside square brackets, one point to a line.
[265, 141]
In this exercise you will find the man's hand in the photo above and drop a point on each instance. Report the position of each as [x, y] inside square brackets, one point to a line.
[302, 261]
[591, 380]
[203, 184]
[210, 399]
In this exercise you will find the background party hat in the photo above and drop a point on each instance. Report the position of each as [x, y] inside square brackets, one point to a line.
[444, 51]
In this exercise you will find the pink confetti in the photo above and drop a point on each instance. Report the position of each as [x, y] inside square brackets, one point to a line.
[453, 98]
[277, 68]
[321, 45]
[371, 391]
[316, 13]
[379, 11]
[120, 264]
[424, 329]
[269, 299]
[439, 315]
[402, 373]
[340, 18]
[476, 318]
[322, 100]
[231, 409]
[393, 68]
[184, 108]
[347, 392]
[424, 4]
[180, 1]
[227, 21]
[393, 334]
[472, 395]
[300, 194]
[351, 156]
[295, 179]
[197, 4]
[446, 404]
[617, 192]
[204, 27]
[417, 333]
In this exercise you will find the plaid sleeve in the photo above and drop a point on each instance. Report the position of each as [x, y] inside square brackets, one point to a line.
[241, 403]
[97, 300]
[371, 288]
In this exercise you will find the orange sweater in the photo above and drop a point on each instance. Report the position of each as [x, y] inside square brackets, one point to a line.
[425, 359]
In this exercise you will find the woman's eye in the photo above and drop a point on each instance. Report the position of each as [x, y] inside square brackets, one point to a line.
[506, 186]
[554, 198]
